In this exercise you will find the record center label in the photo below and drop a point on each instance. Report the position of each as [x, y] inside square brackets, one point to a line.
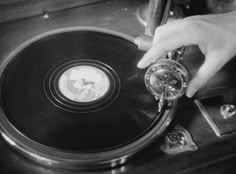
[83, 83]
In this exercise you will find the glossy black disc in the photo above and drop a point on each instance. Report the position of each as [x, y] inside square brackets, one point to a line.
[32, 101]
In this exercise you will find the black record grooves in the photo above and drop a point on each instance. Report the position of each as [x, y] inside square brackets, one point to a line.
[41, 118]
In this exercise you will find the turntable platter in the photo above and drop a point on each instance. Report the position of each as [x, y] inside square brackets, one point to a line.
[79, 92]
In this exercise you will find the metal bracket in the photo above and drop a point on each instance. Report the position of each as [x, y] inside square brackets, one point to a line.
[178, 141]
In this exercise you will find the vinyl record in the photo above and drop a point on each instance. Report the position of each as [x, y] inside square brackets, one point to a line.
[75, 97]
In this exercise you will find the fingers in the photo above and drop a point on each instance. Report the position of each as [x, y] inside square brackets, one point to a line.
[160, 33]
[168, 43]
[153, 54]
[208, 32]
[213, 63]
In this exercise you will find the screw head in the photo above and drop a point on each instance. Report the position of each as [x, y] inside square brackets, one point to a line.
[227, 111]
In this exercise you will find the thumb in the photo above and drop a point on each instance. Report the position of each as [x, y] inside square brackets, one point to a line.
[212, 64]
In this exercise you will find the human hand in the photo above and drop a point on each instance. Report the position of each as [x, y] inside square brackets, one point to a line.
[215, 36]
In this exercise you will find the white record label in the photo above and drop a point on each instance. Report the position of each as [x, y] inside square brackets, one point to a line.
[84, 83]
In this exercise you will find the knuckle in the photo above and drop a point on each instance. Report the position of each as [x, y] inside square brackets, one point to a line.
[195, 23]
[194, 26]
[158, 34]
[159, 30]
[194, 18]
[196, 29]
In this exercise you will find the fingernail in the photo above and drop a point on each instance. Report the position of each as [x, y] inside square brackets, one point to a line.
[141, 64]
[190, 93]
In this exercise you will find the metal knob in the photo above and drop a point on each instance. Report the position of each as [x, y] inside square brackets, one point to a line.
[228, 111]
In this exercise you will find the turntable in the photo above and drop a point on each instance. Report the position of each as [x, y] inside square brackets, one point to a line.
[74, 97]
[72, 100]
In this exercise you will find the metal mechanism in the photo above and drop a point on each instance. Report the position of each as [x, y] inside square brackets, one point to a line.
[178, 141]
[218, 108]
[166, 79]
